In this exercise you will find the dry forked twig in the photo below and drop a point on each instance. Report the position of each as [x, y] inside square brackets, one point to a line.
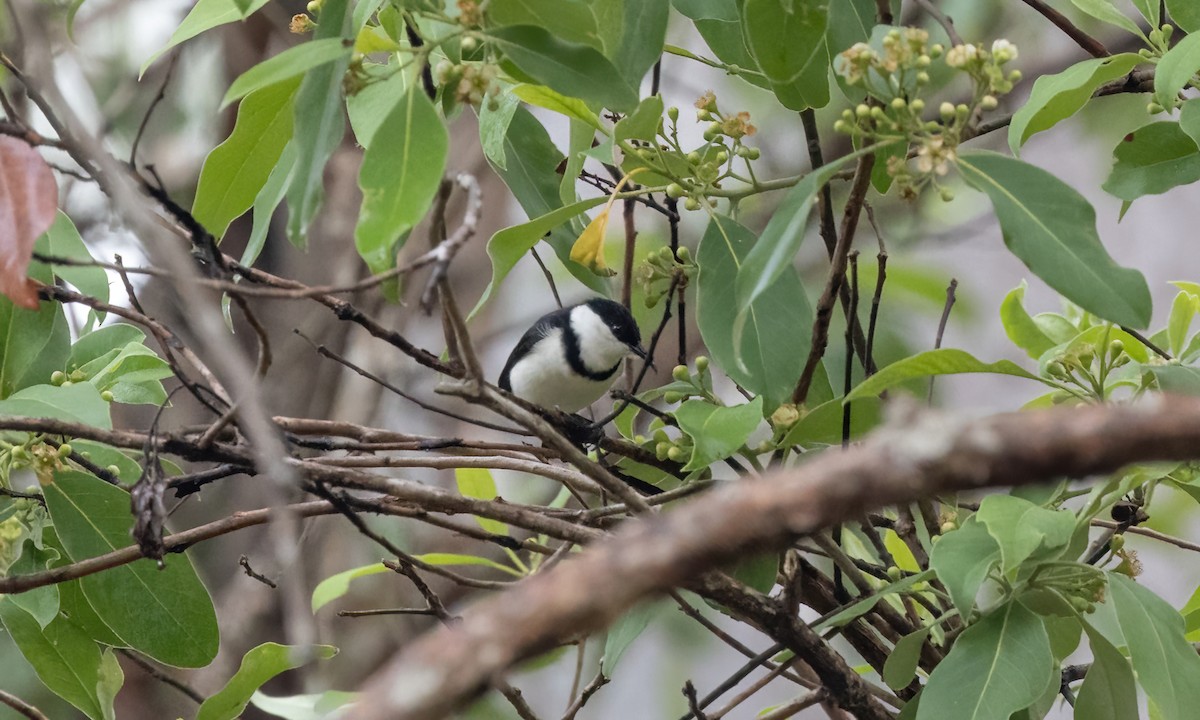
[922, 454]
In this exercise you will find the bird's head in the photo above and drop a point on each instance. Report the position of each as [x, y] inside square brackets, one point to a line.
[607, 332]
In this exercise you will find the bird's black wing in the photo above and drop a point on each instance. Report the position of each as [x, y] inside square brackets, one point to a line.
[540, 329]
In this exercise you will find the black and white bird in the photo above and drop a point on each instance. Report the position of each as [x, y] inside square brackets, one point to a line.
[570, 357]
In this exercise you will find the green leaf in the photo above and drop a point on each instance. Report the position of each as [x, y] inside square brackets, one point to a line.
[725, 10]
[1108, 691]
[267, 201]
[493, 128]
[478, 483]
[135, 363]
[100, 342]
[235, 172]
[1176, 69]
[335, 586]
[71, 600]
[570, 68]
[400, 174]
[166, 614]
[110, 682]
[865, 604]
[461, 559]
[1166, 664]
[901, 665]
[1181, 379]
[998, 666]
[258, 666]
[1185, 14]
[206, 15]
[776, 248]
[1152, 160]
[286, 68]
[770, 353]
[370, 106]
[32, 343]
[79, 402]
[1183, 310]
[572, 107]
[823, 424]
[1020, 528]
[1106, 12]
[639, 39]
[962, 560]
[65, 659]
[1052, 229]
[643, 123]
[944, 361]
[1150, 9]
[787, 39]
[508, 246]
[716, 432]
[314, 706]
[318, 126]
[63, 240]
[1021, 329]
[1055, 98]
[572, 20]
[624, 631]
[42, 603]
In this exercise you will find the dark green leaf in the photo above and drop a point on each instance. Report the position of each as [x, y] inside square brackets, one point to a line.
[962, 560]
[1052, 229]
[71, 601]
[335, 586]
[79, 402]
[493, 127]
[206, 15]
[944, 361]
[1176, 69]
[258, 666]
[101, 341]
[1020, 327]
[771, 351]
[570, 68]
[235, 172]
[64, 658]
[1057, 97]
[1166, 664]
[639, 44]
[318, 126]
[1108, 691]
[32, 343]
[643, 123]
[787, 38]
[725, 10]
[1020, 528]
[1181, 379]
[624, 631]
[725, 40]
[400, 174]
[284, 70]
[776, 248]
[62, 240]
[166, 614]
[572, 20]
[901, 665]
[1185, 14]
[998, 666]
[1152, 160]
[41, 603]
[716, 432]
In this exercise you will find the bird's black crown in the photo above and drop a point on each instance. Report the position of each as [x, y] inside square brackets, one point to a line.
[618, 319]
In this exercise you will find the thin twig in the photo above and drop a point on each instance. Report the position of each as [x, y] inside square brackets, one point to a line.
[245, 563]
[162, 93]
[549, 277]
[21, 706]
[161, 676]
[941, 329]
[940, 17]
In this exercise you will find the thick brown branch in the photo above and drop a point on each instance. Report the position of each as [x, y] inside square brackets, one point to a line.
[919, 455]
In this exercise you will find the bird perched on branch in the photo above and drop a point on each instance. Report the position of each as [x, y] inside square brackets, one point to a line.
[570, 357]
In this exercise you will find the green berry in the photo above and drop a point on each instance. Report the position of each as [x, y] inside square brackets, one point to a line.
[676, 454]
[722, 157]
[918, 105]
[673, 113]
[67, 383]
[683, 253]
[693, 158]
[946, 193]
[106, 396]
[701, 362]
[989, 102]
[894, 573]
[1154, 108]
[691, 204]
[899, 103]
[680, 373]
[948, 526]
[863, 111]
[753, 153]
[113, 470]
[1117, 543]
[64, 450]
[922, 78]
[672, 396]
[946, 110]
[58, 377]
[676, 191]
[661, 450]
[468, 43]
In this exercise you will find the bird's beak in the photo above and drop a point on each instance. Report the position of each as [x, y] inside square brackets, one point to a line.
[641, 353]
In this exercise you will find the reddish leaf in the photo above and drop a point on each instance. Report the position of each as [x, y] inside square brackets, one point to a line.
[28, 200]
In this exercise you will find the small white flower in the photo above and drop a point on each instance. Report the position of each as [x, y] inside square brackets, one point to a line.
[960, 55]
[1004, 51]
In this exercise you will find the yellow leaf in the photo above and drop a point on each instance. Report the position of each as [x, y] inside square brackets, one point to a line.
[900, 552]
[588, 250]
[372, 40]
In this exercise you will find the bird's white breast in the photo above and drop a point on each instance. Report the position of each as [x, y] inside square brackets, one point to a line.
[545, 378]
